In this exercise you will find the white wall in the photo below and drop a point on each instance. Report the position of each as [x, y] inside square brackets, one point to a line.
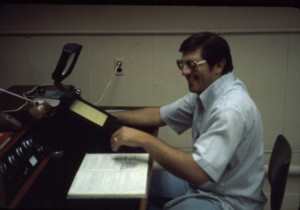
[265, 45]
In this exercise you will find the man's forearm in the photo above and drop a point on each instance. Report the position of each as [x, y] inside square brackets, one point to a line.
[140, 117]
[178, 162]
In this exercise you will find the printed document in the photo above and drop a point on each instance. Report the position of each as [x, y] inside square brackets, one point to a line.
[111, 175]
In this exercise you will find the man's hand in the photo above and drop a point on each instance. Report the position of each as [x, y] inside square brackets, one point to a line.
[128, 137]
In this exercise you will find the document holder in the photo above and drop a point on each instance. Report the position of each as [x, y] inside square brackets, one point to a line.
[71, 101]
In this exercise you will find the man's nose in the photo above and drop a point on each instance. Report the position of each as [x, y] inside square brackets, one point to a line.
[185, 70]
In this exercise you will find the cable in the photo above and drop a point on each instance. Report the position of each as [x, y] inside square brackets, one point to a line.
[105, 89]
[16, 95]
[34, 88]
[24, 97]
[15, 110]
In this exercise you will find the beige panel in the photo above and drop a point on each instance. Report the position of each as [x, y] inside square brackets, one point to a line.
[294, 18]
[13, 61]
[271, 17]
[136, 17]
[235, 18]
[242, 48]
[37, 17]
[119, 17]
[135, 87]
[184, 18]
[10, 17]
[169, 84]
[269, 77]
[292, 111]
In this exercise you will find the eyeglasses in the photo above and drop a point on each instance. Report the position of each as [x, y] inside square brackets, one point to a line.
[192, 65]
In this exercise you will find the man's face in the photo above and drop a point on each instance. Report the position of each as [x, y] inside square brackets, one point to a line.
[202, 75]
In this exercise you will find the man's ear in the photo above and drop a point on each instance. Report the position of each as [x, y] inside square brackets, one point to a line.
[220, 66]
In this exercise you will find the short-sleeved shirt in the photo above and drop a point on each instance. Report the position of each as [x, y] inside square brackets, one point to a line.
[227, 142]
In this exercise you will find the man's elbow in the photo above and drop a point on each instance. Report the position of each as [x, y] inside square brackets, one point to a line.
[199, 177]
[200, 180]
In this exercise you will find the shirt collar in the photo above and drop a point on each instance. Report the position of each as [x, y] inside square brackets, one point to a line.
[213, 91]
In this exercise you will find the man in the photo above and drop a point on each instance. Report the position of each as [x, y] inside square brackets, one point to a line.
[225, 170]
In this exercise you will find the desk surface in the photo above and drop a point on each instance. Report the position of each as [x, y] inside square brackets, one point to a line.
[74, 139]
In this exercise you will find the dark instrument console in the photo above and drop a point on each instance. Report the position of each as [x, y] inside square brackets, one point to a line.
[71, 129]
[19, 162]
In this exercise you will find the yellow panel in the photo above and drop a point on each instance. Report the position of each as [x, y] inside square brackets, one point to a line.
[88, 112]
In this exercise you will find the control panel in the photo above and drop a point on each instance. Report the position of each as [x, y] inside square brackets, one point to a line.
[19, 162]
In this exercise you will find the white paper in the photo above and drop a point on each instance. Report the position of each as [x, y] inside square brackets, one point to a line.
[111, 175]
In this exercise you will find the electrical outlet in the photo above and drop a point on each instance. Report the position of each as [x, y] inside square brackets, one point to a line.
[119, 67]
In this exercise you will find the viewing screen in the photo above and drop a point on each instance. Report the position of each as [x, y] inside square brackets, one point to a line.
[88, 112]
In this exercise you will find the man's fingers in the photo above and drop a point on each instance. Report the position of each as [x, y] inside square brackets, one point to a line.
[114, 144]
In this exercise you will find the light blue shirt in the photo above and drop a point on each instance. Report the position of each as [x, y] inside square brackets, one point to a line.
[227, 142]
